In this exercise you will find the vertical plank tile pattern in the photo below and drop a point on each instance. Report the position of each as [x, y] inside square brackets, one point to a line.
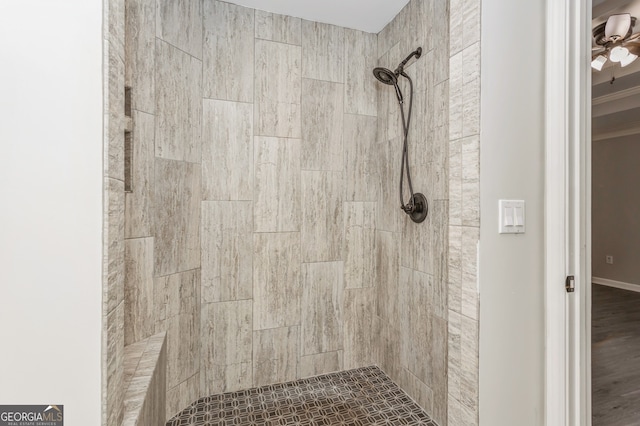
[323, 51]
[276, 280]
[280, 28]
[361, 162]
[275, 355]
[176, 220]
[227, 150]
[360, 84]
[277, 185]
[227, 251]
[228, 51]
[322, 116]
[359, 244]
[322, 295]
[277, 89]
[322, 222]
[178, 104]
[140, 59]
[138, 301]
[139, 202]
[226, 355]
[359, 311]
[180, 24]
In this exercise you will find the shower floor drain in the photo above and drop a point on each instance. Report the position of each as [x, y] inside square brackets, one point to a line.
[364, 396]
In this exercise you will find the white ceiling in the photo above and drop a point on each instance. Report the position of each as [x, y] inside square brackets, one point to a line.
[365, 15]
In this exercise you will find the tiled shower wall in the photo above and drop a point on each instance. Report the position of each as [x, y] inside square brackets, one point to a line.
[293, 216]
[250, 230]
[113, 210]
[411, 314]
[464, 211]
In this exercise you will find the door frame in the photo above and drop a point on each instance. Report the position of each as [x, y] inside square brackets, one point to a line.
[568, 213]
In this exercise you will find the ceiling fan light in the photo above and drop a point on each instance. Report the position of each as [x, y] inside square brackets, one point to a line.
[618, 53]
[598, 62]
[628, 59]
[617, 26]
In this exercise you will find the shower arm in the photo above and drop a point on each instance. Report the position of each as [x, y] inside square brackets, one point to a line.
[417, 53]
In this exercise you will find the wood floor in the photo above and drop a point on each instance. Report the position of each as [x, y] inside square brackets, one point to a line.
[615, 357]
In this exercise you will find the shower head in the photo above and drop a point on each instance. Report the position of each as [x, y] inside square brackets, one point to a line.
[385, 76]
[388, 77]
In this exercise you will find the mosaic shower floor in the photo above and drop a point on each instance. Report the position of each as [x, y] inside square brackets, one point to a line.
[364, 396]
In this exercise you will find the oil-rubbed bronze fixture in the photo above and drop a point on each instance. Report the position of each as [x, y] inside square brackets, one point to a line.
[417, 207]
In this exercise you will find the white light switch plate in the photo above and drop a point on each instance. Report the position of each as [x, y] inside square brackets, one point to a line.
[511, 216]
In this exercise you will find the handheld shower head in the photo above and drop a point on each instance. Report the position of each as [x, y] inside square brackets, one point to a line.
[387, 76]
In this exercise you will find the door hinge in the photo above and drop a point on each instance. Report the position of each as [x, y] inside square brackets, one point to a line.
[570, 284]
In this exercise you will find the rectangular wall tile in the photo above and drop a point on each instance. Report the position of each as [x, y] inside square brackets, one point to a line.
[358, 313]
[277, 89]
[114, 114]
[275, 355]
[176, 220]
[322, 116]
[113, 240]
[469, 286]
[455, 182]
[387, 275]
[138, 202]
[227, 251]
[180, 24]
[388, 348]
[178, 104]
[361, 165]
[139, 299]
[277, 184]
[140, 58]
[280, 28]
[228, 51]
[323, 51]
[182, 324]
[226, 347]
[418, 322]
[322, 221]
[471, 181]
[114, 336]
[322, 294]
[182, 395]
[439, 342]
[227, 150]
[317, 364]
[359, 244]
[360, 59]
[276, 280]
[389, 214]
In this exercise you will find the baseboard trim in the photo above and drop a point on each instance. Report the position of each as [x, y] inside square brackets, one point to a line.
[616, 284]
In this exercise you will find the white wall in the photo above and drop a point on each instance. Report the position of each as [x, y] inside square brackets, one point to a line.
[51, 208]
[511, 166]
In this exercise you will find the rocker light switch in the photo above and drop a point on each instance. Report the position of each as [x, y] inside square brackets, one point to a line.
[512, 218]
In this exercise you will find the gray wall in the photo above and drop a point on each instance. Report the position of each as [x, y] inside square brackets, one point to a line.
[616, 209]
[512, 167]
[411, 315]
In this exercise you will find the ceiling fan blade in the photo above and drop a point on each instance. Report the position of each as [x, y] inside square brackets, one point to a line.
[634, 48]
[617, 26]
[633, 37]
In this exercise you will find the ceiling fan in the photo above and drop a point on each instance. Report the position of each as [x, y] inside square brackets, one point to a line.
[615, 41]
